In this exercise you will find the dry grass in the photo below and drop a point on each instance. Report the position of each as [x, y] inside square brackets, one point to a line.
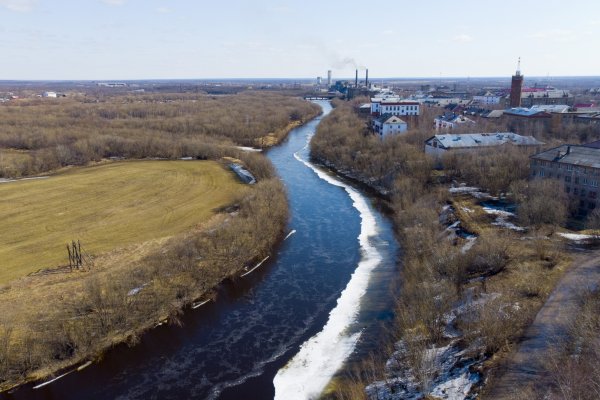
[106, 206]
[472, 217]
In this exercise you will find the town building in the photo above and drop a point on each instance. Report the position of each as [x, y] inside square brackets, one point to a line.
[49, 94]
[487, 98]
[394, 105]
[439, 145]
[532, 96]
[388, 124]
[576, 167]
[450, 120]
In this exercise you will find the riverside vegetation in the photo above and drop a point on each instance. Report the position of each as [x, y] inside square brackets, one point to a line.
[57, 318]
[501, 280]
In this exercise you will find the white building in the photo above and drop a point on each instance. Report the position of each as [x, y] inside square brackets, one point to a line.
[49, 94]
[388, 124]
[394, 106]
[487, 98]
[439, 145]
[451, 120]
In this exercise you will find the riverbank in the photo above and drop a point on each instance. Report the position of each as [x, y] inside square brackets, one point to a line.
[70, 317]
[501, 276]
[62, 318]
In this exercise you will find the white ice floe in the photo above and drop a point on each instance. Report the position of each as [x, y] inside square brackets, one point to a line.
[307, 374]
[244, 148]
[290, 234]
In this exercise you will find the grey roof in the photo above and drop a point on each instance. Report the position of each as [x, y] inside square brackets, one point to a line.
[383, 117]
[394, 119]
[523, 112]
[484, 140]
[495, 114]
[572, 154]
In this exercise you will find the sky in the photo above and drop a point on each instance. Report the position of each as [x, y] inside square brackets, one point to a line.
[185, 39]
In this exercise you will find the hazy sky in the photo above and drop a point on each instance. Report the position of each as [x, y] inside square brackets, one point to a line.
[144, 39]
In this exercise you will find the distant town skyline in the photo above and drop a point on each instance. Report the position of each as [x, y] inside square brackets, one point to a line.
[179, 39]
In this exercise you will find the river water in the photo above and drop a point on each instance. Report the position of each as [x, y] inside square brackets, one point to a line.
[284, 330]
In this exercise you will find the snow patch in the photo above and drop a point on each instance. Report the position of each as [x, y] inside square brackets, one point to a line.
[456, 388]
[500, 221]
[495, 211]
[578, 236]
[4, 180]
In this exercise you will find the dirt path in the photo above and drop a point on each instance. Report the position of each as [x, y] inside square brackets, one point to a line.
[525, 367]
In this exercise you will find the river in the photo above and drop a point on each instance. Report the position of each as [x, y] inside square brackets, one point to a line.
[284, 330]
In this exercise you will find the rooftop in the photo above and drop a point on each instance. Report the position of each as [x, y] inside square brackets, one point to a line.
[584, 156]
[388, 118]
[525, 112]
[484, 140]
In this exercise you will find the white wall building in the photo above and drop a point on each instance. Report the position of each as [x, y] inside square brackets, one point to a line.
[49, 94]
[388, 124]
[487, 98]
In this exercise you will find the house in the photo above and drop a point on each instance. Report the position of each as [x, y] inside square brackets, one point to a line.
[49, 94]
[388, 124]
[576, 167]
[439, 145]
[450, 120]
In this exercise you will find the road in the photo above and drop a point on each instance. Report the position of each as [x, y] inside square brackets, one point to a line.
[525, 368]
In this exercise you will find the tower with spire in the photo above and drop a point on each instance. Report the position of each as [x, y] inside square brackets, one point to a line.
[516, 86]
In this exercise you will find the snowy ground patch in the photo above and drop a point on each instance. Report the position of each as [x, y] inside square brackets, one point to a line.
[577, 237]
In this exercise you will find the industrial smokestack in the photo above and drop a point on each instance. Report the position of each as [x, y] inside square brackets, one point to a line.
[356, 79]
[367, 78]
[328, 78]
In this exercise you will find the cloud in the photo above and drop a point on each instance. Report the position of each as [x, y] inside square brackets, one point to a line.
[556, 35]
[19, 5]
[163, 10]
[114, 2]
[462, 38]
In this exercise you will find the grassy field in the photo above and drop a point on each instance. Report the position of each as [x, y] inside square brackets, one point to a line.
[106, 207]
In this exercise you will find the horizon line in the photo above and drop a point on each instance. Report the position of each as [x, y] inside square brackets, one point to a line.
[290, 78]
